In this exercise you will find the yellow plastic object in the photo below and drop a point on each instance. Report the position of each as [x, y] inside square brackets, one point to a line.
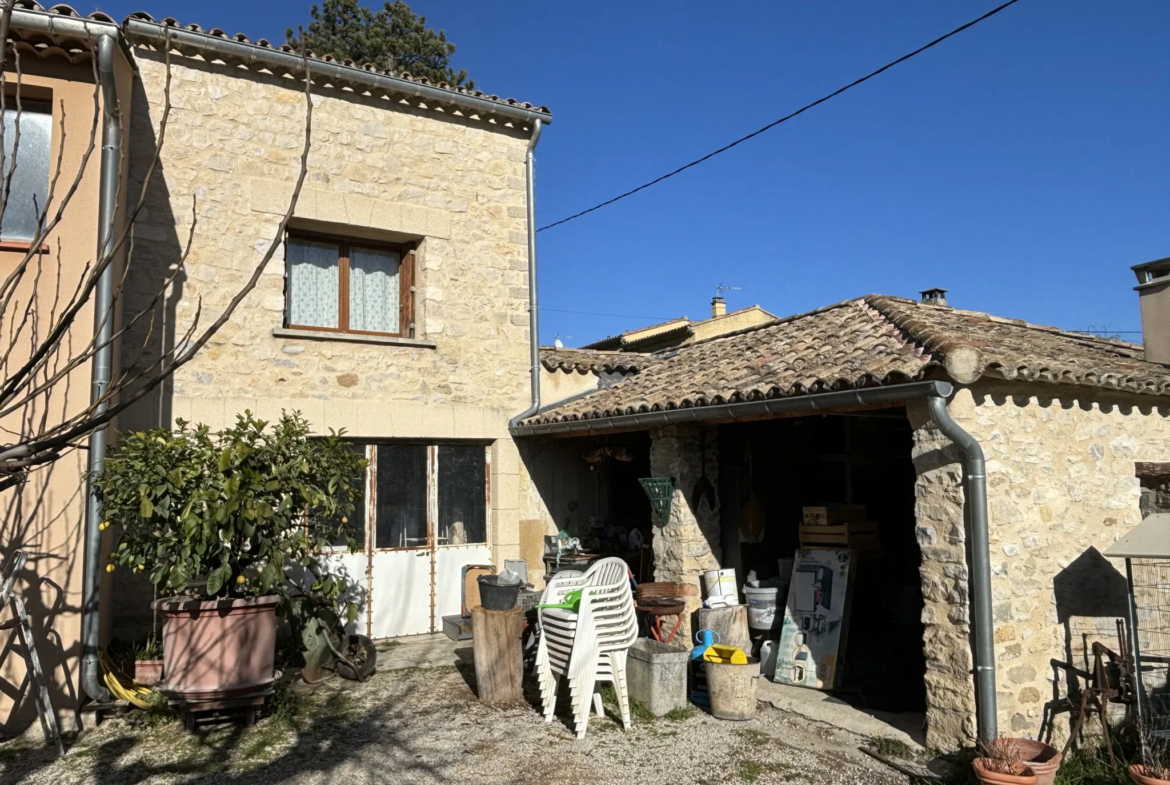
[725, 655]
[122, 686]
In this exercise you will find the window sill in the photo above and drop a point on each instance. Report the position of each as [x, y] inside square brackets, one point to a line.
[377, 340]
[20, 245]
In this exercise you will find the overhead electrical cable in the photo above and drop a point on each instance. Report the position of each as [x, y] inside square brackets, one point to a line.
[787, 117]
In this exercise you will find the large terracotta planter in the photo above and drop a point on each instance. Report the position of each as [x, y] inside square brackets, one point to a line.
[1026, 777]
[218, 648]
[1137, 773]
[1043, 759]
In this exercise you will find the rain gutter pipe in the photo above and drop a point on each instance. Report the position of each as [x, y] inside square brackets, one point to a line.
[111, 163]
[936, 394]
[533, 310]
[975, 512]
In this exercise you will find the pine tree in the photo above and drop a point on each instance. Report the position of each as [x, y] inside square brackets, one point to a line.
[393, 39]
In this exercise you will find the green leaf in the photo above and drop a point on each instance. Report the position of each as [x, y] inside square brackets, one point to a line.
[225, 459]
[145, 507]
[216, 579]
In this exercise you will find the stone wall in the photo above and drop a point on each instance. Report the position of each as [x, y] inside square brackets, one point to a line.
[689, 543]
[1061, 489]
[377, 170]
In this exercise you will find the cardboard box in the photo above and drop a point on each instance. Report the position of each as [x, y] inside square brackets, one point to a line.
[830, 514]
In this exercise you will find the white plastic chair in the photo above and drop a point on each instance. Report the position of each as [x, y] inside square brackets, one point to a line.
[588, 646]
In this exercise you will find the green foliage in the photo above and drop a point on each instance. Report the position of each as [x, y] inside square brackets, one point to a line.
[393, 39]
[228, 514]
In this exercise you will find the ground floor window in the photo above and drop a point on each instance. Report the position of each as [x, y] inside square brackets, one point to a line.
[422, 518]
[422, 495]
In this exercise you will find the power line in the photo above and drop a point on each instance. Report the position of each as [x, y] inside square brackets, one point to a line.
[617, 315]
[771, 125]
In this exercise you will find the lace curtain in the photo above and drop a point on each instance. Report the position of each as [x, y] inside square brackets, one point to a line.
[313, 283]
[373, 290]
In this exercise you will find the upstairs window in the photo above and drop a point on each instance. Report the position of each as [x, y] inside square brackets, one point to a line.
[30, 178]
[349, 286]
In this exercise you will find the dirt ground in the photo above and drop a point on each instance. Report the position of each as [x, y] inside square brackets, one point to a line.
[426, 726]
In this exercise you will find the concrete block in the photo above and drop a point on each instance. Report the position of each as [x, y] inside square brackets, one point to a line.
[657, 675]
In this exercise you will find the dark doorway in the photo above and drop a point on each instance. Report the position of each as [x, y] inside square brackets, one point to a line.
[861, 459]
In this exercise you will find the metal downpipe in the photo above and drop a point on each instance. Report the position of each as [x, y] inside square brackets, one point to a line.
[533, 309]
[111, 161]
[975, 515]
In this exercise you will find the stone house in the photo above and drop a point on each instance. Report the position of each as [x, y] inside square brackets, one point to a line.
[398, 305]
[683, 330]
[861, 402]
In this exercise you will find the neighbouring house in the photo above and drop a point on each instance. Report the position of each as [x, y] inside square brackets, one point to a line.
[682, 331]
[398, 306]
[861, 402]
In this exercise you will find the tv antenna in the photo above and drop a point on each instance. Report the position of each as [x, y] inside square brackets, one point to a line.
[720, 289]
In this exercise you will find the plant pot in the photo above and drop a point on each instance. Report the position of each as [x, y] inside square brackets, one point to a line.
[1043, 759]
[987, 777]
[218, 648]
[148, 672]
[1137, 773]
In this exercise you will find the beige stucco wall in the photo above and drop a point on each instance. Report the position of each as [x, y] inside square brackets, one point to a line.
[45, 516]
[377, 170]
[558, 385]
[729, 323]
[1061, 489]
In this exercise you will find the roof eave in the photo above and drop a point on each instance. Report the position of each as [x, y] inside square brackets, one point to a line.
[213, 47]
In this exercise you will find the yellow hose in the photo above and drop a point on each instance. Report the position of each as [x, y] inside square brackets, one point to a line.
[124, 687]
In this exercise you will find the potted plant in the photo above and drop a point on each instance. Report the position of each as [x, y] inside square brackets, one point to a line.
[1001, 762]
[1155, 766]
[1043, 759]
[143, 661]
[227, 526]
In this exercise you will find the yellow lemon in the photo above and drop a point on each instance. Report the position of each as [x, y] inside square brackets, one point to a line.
[240, 579]
[344, 519]
[109, 568]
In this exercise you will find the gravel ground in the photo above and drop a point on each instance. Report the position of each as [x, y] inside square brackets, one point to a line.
[425, 726]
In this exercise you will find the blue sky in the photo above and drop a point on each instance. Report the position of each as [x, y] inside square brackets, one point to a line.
[1024, 164]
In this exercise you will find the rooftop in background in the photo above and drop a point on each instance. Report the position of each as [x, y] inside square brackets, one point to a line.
[871, 341]
[683, 331]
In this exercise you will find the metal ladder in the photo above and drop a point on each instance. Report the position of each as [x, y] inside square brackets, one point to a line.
[21, 620]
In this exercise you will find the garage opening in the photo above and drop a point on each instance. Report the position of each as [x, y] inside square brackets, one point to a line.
[786, 465]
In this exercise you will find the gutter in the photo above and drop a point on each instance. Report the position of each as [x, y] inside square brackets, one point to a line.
[111, 164]
[533, 308]
[975, 514]
[975, 518]
[333, 73]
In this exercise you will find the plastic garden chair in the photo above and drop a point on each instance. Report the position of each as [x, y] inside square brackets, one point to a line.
[588, 646]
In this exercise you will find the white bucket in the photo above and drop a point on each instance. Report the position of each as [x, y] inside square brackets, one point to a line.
[720, 583]
[763, 611]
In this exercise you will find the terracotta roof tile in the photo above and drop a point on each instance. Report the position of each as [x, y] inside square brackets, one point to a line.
[215, 32]
[590, 361]
[874, 340]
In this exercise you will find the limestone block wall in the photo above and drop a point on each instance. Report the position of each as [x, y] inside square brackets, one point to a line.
[1061, 489]
[377, 170]
[689, 543]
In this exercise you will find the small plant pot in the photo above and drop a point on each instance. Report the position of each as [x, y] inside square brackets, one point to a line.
[148, 672]
[1043, 759]
[988, 777]
[1137, 773]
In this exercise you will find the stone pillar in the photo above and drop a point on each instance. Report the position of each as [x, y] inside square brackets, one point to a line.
[950, 690]
[688, 544]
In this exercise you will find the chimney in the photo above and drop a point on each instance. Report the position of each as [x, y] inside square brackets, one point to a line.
[718, 306]
[934, 296]
[1154, 298]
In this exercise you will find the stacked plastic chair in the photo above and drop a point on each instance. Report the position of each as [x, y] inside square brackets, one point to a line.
[588, 647]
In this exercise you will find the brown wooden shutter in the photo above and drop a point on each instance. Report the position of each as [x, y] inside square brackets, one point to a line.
[406, 297]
